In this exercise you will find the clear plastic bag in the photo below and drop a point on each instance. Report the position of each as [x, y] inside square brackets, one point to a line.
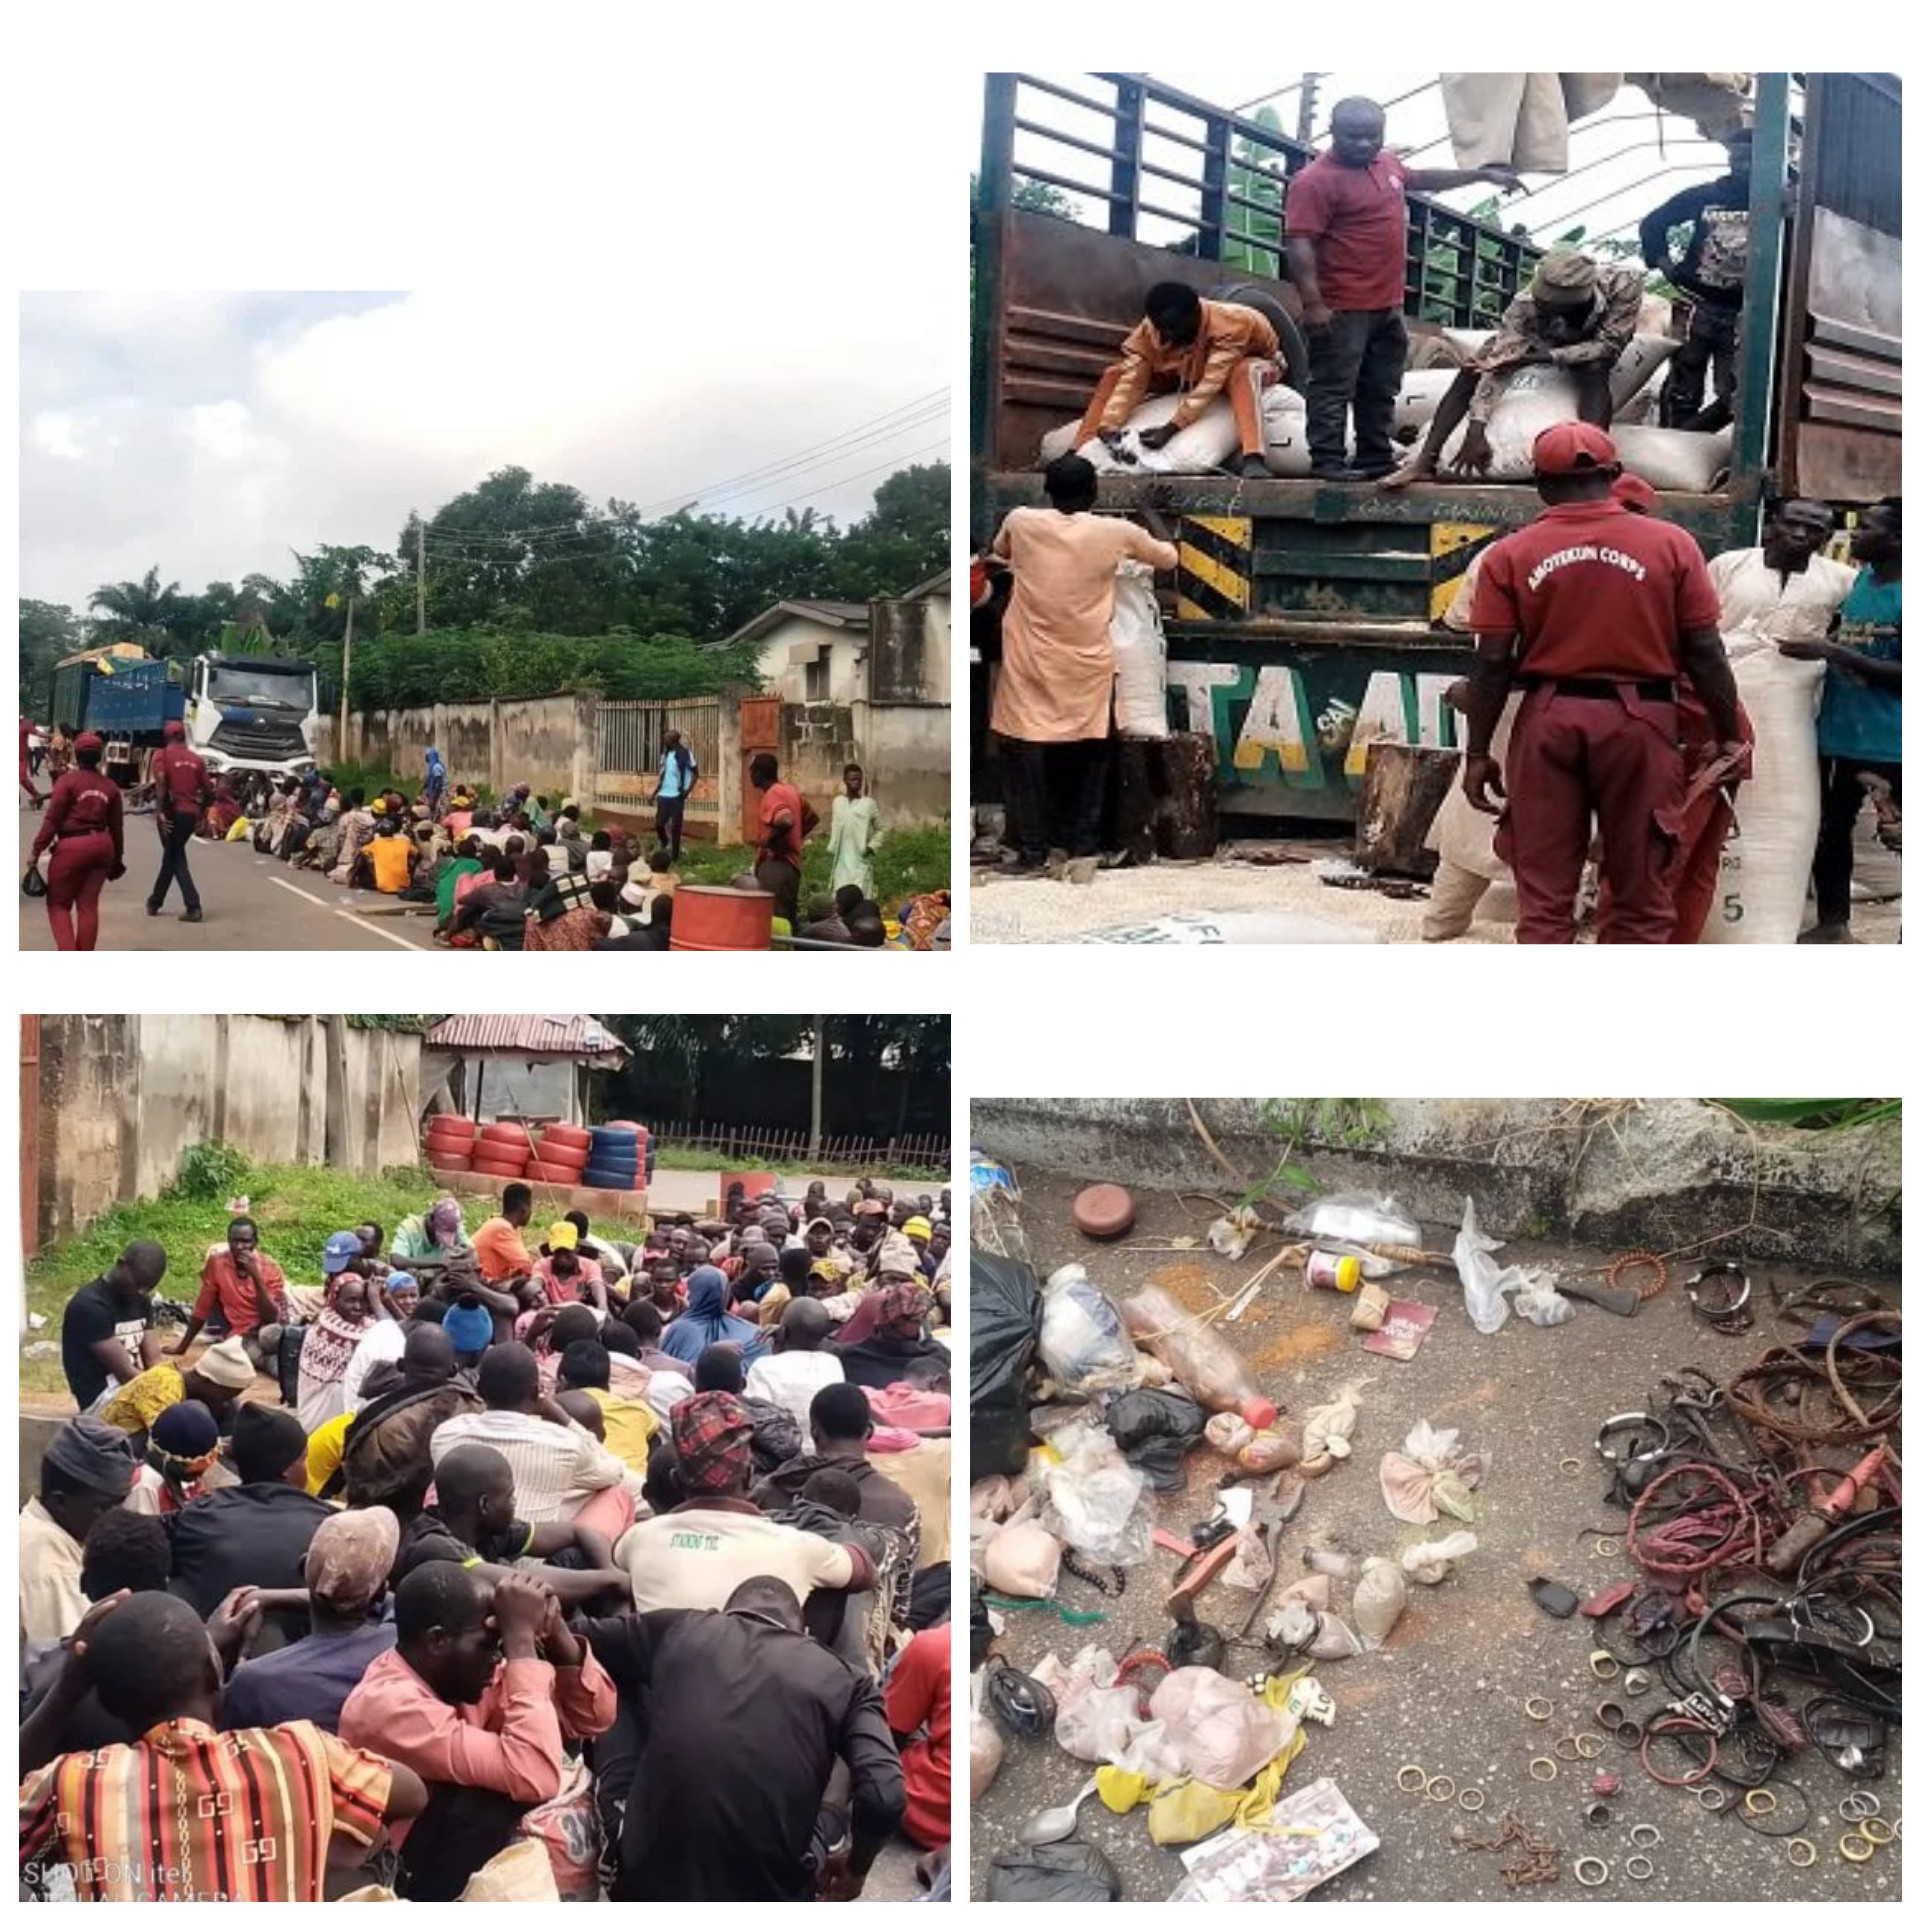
[1430, 1561]
[1223, 1733]
[993, 1208]
[1327, 1429]
[1379, 1599]
[1082, 1341]
[1022, 1560]
[1536, 1300]
[985, 1745]
[1430, 1476]
[1093, 1502]
[1363, 1219]
[1482, 1279]
[1098, 1724]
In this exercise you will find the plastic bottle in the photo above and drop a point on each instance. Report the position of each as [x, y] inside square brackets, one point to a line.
[1201, 1359]
[1335, 1272]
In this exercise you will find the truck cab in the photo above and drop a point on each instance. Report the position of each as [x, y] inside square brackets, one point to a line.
[248, 713]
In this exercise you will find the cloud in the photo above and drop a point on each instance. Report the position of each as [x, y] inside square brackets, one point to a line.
[208, 434]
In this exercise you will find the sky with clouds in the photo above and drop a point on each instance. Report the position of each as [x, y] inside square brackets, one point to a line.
[209, 433]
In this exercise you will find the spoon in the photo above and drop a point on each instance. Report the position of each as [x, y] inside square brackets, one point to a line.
[1054, 1823]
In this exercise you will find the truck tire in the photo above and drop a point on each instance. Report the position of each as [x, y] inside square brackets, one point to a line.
[449, 1162]
[499, 1167]
[1293, 340]
[547, 1174]
[560, 1135]
[456, 1124]
[611, 1182]
[572, 1158]
[507, 1135]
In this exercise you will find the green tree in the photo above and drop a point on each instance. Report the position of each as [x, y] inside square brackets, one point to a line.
[143, 611]
[47, 634]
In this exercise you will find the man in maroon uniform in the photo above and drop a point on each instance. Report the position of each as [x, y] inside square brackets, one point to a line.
[1595, 613]
[179, 792]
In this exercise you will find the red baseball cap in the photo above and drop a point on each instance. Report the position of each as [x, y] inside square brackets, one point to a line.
[89, 743]
[174, 730]
[1572, 447]
[1634, 493]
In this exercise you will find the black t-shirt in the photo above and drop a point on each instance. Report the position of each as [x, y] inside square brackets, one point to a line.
[428, 1538]
[1714, 267]
[94, 1314]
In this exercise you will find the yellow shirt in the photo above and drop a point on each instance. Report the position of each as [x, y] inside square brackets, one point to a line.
[925, 1474]
[390, 857]
[143, 1399]
[325, 1444]
[631, 1425]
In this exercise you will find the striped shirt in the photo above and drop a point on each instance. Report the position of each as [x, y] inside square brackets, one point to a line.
[190, 1814]
[556, 1469]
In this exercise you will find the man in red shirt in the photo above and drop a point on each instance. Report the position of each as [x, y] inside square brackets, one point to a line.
[920, 1712]
[180, 789]
[1347, 258]
[1596, 613]
[249, 1291]
[784, 822]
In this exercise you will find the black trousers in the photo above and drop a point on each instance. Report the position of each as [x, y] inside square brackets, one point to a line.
[1841, 795]
[1712, 342]
[1055, 792]
[669, 821]
[1355, 362]
[176, 836]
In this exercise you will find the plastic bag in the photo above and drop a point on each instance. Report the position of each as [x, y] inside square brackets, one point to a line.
[1098, 1724]
[1082, 1343]
[1139, 655]
[1485, 1285]
[1326, 1433]
[1189, 1812]
[1378, 1602]
[1264, 1452]
[993, 1210]
[1536, 1300]
[1156, 1428]
[1366, 1219]
[1067, 1870]
[1430, 1476]
[1023, 1561]
[1298, 1626]
[1004, 1328]
[986, 1746]
[1222, 1732]
[1232, 1234]
[1429, 1561]
[1093, 1502]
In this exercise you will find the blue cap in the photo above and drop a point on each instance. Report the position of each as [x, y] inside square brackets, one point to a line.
[469, 1328]
[342, 1250]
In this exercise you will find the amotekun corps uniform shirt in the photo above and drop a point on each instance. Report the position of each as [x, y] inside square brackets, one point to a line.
[1596, 593]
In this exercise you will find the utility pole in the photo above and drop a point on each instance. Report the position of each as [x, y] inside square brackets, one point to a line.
[420, 575]
[1309, 99]
[346, 673]
[819, 1074]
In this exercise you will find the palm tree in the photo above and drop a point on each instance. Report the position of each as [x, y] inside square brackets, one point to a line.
[139, 610]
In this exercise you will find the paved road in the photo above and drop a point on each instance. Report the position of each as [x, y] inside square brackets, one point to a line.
[251, 903]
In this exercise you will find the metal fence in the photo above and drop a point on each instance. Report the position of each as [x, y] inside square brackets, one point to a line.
[932, 1151]
[626, 756]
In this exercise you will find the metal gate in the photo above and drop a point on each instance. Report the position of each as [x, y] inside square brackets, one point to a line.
[759, 733]
[626, 758]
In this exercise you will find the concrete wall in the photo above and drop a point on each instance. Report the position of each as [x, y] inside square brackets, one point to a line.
[122, 1096]
[908, 754]
[911, 653]
[1655, 1174]
[845, 652]
[548, 743]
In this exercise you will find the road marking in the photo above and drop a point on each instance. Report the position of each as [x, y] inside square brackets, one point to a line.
[366, 926]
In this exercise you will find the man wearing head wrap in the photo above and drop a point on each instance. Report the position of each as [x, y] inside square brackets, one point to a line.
[255, 1534]
[1577, 315]
[886, 1334]
[346, 1569]
[183, 1444]
[87, 1468]
[435, 790]
[715, 1538]
[707, 1320]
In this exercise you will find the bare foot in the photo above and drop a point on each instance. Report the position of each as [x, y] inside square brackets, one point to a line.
[1405, 476]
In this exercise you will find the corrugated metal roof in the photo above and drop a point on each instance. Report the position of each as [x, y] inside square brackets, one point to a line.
[575, 1034]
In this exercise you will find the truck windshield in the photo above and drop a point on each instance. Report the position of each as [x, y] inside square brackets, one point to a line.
[260, 687]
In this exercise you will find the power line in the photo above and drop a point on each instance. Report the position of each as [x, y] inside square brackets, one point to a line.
[866, 443]
[937, 446]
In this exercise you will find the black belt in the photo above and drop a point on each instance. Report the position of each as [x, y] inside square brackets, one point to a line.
[1597, 689]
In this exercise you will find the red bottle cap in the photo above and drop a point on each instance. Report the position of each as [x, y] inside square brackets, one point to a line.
[1257, 1412]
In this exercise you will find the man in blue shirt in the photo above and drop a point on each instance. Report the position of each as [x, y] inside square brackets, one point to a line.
[1859, 712]
[678, 772]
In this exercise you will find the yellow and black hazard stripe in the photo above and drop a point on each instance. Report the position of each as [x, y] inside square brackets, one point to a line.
[1451, 547]
[1216, 567]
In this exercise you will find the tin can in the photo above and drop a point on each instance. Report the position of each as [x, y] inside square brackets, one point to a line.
[1335, 1272]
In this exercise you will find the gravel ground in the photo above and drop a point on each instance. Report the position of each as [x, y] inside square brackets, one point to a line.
[1030, 911]
[1446, 1693]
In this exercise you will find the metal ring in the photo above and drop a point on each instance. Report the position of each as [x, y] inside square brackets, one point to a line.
[1718, 1801]
[1580, 1867]
[1599, 1814]
[1859, 1840]
[1881, 1839]
[1802, 1852]
[1859, 1805]
[1639, 1860]
[1564, 1749]
[1419, 1780]
[1573, 1464]
[1587, 1745]
[1440, 1780]
[1627, 1734]
[1474, 1805]
[1538, 1761]
[1637, 1681]
[1628, 1423]
[1603, 1665]
[1644, 1835]
[1610, 1713]
[1546, 1712]
[1606, 1548]
[1756, 1794]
